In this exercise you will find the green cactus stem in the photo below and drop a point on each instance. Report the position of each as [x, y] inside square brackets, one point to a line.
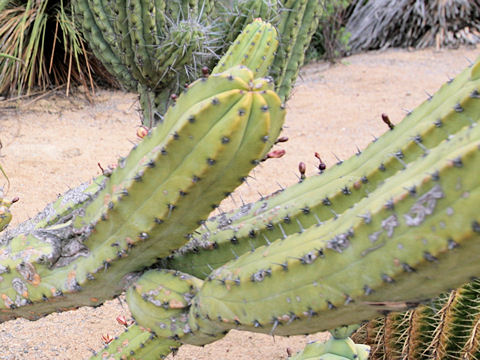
[322, 197]
[338, 347]
[420, 227]
[297, 25]
[238, 14]
[160, 301]
[148, 206]
[254, 48]
[333, 349]
[137, 342]
[95, 32]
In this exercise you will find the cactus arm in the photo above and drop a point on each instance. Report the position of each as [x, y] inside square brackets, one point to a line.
[352, 270]
[239, 13]
[126, 50]
[101, 47]
[142, 58]
[288, 30]
[254, 48]
[138, 343]
[319, 198]
[145, 209]
[300, 43]
[159, 300]
[333, 349]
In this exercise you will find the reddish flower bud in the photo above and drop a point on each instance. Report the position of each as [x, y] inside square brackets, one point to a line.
[281, 139]
[142, 131]
[276, 154]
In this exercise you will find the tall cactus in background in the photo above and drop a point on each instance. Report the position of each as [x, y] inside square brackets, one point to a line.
[156, 47]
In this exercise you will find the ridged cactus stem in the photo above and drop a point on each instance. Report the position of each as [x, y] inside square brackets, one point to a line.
[322, 197]
[137, 342]
[150, 204]
[415, 236]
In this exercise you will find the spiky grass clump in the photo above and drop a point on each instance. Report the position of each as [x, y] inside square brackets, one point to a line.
[42, 47]
[377, 24]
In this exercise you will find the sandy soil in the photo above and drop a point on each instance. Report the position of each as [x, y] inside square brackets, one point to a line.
[54, 143]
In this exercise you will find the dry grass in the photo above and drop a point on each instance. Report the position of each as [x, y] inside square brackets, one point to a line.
[378, 24]
[42, 48]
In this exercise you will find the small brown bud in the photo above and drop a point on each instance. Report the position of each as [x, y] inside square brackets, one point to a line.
[302, 168]
[281, 139]
[321, 166]
[387, 121]
[205, 71]
[276, 154]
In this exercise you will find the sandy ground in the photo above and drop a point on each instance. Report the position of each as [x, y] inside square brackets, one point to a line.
[53, 143]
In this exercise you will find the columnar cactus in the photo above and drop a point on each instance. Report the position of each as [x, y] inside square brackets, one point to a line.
[418, 223]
